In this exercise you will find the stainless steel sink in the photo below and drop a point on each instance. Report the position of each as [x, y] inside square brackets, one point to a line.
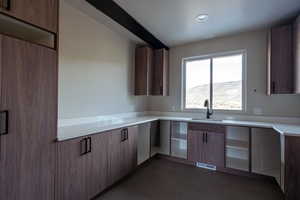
[204, 119]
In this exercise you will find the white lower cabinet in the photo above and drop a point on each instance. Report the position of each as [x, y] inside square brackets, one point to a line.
[143, 142]
[266, 152]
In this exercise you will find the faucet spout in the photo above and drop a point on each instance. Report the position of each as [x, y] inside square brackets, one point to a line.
[209, 111]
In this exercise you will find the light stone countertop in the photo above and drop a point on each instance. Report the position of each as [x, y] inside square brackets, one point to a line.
[73, 130]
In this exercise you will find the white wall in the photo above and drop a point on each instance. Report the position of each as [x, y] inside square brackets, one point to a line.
[256, 45]
[95, 68]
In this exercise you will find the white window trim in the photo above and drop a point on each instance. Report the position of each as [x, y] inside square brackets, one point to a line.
[214, 55]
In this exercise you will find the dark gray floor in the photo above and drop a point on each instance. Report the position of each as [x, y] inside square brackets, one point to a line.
[163, 180]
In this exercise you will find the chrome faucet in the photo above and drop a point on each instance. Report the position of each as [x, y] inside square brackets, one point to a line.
[209, 111]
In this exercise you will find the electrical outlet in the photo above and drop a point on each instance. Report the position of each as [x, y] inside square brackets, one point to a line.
[173, 108]
[257, 111]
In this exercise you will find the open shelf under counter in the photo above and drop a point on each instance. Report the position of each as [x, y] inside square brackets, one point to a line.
[237, 144]
[237, 163]
[179, 130]
[179, 148]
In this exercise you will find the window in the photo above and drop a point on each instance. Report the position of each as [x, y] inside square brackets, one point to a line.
[218, 78]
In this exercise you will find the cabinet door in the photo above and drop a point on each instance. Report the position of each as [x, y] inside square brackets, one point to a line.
[29, 94]
[281, 60]
[98, 173]
[129, 150]
[115, 171]
[160, 84]
[214, 149]
[292, 168]
[143, 70]
[72, 170]
[143, 142]
[42, 13]
[297, 54]
[195, 146]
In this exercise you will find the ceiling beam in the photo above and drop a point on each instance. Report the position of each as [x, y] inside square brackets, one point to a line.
[118, 14]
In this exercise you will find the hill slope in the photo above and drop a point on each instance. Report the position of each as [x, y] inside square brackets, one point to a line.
[226, 95]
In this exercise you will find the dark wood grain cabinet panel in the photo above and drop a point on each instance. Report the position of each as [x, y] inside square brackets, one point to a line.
[98, 171]
[151, 71]
[73, 169]
[195, 146]
[297, 55]
[214, 152]
[292, 168]
[143, 70]
[280, 67]
[206, 144]
[83, 167]
[115, 171]
[160, 85]
[29, 95]
[41, 13]
[130, 150]
[122, 153]
[89, 165]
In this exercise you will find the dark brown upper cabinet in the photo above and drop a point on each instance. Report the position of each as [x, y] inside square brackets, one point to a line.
[41, 13]
[160, 86]
[297, 55]
[284, 59]
[143, 70]
[206, 144]
[151, 71]
[280, 60]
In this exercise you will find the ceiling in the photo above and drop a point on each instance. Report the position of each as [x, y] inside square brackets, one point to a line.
[173, 21]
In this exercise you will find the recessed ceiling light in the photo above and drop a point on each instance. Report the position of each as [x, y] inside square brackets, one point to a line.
[202, 18]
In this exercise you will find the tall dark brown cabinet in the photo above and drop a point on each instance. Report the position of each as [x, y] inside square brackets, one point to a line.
[29, 97]
[292, 166]
[41, 13]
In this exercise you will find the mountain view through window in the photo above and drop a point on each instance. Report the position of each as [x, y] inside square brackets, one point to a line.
[218, 79]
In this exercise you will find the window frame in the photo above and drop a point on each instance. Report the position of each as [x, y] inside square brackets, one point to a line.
[243, 52]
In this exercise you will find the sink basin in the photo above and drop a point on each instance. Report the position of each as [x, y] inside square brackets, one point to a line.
[204, 119]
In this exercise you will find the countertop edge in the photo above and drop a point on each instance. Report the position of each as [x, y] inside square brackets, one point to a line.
[253, 124]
